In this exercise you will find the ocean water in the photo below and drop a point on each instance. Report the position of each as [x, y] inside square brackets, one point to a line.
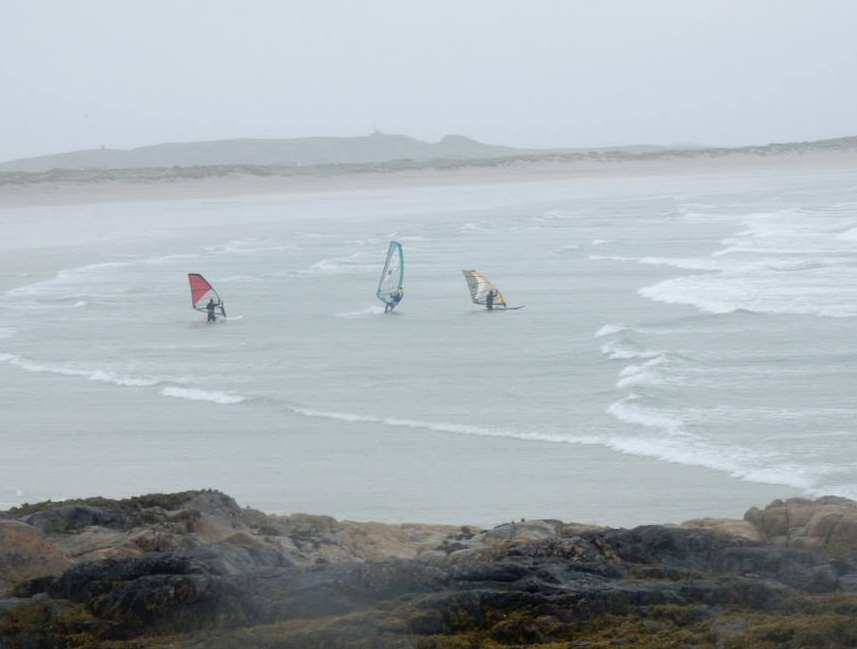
[702, 322]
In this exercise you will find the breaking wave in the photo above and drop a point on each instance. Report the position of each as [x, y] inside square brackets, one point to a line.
[678, 447]
[619, 350]
[101, 376]
[463, 429]
[610, 329]
[787, 262]
[195, 394]
[642, 375]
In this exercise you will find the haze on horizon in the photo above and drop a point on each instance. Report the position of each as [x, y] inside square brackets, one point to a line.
[545, 73]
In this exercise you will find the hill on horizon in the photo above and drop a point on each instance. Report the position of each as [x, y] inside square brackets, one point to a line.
[304, 151]
[376, 147]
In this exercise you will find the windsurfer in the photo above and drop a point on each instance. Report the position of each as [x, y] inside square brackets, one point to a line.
[489, 300]
[210, 307]
[395, 298]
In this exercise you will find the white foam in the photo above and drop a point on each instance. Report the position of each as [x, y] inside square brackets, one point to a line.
[571, 247]
[361, 313]
[683, 263]
[61, 286]
[725, 264]
[194, 394]
[463, 429]
[609, 330]
[339, 265]
[326, 266]
[848, 235]
[612, 258]
[821, 292]
[101, 376]
[600, 242]
[552, 215]
[618, 350]
[166, 259]
[625, 410]
[635, 369]
[792, 261]
[642, 375]
[248, 246]
[807, 281]
[678, 447]
[80, 303]
[127, 381]
[735, 462]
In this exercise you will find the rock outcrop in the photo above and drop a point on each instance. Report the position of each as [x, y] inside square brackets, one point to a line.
[100, 528]
[26, 553]
[828, 523]
[742, 529]
[197, 570]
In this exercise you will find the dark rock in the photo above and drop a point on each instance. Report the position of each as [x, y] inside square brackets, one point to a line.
[88, 580]
[230, 560]
[62, 520]
[7, 604]
[848, 582]
[534, 587]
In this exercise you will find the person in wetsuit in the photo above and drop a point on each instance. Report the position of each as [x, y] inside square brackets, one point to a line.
[210, 307]
[394, 301]
[489, 301]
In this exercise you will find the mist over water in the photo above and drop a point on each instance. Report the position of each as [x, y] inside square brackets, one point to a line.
[705, 321]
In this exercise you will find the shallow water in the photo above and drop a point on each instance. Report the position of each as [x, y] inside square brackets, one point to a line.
[706, 321]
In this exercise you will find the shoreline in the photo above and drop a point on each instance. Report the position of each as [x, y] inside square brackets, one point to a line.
[438, 474]
[46, 193]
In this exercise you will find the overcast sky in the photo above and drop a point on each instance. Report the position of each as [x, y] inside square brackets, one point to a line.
[85, 73]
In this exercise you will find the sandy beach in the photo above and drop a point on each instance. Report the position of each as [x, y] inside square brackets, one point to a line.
[489, 172]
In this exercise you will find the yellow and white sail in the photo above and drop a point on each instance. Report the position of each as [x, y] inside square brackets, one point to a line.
[479, 286]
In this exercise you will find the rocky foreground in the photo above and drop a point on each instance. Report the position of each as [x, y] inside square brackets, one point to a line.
[196, 570]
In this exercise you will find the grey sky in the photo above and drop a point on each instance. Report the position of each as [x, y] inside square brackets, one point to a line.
[122, 73]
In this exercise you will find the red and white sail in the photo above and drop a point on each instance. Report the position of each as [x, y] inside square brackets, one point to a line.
[201, 292]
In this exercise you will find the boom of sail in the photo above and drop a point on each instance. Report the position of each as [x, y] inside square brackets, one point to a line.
[393, 274]
[479, 286]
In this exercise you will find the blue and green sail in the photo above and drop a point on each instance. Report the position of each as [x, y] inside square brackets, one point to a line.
[393, 274]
